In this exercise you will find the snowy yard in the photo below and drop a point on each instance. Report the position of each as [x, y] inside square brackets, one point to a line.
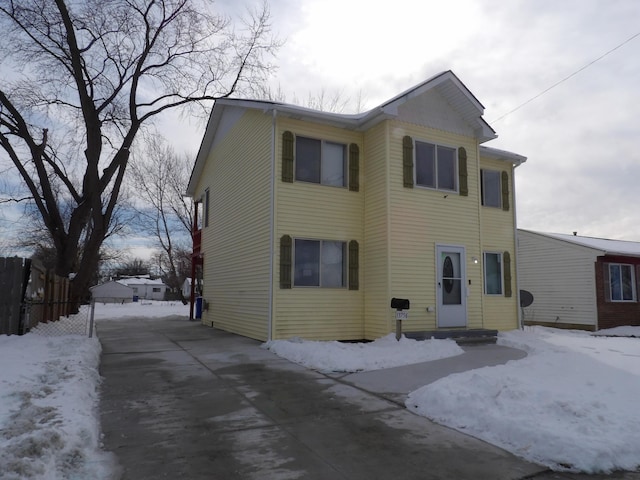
[570, 404]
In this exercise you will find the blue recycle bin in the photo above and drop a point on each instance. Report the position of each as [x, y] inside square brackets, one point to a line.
[198, 307]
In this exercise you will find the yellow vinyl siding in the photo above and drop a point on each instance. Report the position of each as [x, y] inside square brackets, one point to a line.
[236, 242]
[319, 212]
[420, 219]
[498, 236]
[374, 268]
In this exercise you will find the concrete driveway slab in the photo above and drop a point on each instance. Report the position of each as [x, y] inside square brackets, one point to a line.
[184, 401]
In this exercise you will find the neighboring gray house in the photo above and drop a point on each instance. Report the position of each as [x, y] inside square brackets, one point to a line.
[579, 282]
[145, 288]
[112, 292]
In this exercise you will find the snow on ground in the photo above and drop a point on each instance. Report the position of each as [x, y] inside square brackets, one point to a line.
[382, 353]
[571, 404]
[49, 393]
[49, 420]
[143, 308]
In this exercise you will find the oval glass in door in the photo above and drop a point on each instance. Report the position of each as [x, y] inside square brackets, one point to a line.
[451, 279]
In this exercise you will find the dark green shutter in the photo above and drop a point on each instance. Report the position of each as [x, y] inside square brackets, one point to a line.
[287, 157]
[505, 191]
[407, 161]
[462, 171]
[354, 168]
[285, 261]
[506, 265]
[354, 265]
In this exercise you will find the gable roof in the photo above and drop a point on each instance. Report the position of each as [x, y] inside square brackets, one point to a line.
[447, 84]
[604, 245]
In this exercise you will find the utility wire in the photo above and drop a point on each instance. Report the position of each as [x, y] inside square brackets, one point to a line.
[566, 78]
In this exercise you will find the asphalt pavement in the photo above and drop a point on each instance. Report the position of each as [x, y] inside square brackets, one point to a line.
[183, 401]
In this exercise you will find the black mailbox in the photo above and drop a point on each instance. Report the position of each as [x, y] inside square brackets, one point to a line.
[400, 303]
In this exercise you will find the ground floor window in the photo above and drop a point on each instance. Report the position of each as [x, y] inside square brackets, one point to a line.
[622, 285]
[492, 273]
[319, 263]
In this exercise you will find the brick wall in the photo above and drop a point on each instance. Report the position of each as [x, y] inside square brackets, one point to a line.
[615, 314]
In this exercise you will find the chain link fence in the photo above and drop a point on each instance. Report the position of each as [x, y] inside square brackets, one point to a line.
[36, 315]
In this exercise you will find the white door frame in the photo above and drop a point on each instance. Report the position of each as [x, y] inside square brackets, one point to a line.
[449, 315]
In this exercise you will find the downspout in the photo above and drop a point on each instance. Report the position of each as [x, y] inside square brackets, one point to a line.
[274, 113]
[481, 253]
[515, 238]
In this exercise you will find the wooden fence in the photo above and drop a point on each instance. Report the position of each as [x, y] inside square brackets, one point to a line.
[30, 294]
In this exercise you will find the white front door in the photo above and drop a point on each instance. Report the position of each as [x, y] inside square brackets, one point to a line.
[451, 289]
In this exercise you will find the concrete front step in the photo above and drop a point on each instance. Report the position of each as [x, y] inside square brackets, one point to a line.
[462, 337]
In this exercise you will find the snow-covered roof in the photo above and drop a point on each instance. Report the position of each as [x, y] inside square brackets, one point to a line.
[604, 245]
[504, 155]
[140, 281]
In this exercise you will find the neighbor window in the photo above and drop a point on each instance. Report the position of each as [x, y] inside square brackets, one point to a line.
[490, 186]
[435, 166]
[319, 161]
[492, 273]
[622, 283]
[319, 263]
[156, 289]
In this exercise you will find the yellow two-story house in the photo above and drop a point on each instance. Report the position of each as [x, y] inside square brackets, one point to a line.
[310, 222]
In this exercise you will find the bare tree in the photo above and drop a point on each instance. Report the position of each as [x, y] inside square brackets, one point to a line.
[335, 101]
[160, 177]
[82, 78]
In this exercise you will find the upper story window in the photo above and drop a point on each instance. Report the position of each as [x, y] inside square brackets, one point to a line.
[491, 188]
[435, 166]
[319, 161]
[622, 286]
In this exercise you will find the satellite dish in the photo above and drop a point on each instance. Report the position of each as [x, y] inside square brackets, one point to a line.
[526, 298]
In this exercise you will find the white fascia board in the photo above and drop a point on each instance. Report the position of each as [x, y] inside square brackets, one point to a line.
[497, 154]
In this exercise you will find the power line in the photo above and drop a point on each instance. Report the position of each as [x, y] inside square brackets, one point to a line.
[567, 77]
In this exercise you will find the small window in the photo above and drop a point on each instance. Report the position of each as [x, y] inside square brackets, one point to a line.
[491, 188]
[622, 283]
[319, 263]
[206, 207]
[156, 290]
[435, 166]
[320, 161]
[492, 273]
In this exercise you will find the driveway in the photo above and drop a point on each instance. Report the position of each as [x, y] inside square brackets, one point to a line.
[184, 401]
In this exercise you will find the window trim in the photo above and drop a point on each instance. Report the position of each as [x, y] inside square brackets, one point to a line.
[632, 269]
[456, 167]
[323, 141]
[500, 276]
[345, 271]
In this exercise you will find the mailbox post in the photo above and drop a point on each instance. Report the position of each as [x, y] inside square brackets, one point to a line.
[400, 304]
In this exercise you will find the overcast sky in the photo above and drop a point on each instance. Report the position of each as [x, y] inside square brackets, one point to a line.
[581, 137]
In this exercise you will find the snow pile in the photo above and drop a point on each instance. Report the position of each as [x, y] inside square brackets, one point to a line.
[49, 420]
[570, 405]
[143, 308]
[627, 331]
[384, 352]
